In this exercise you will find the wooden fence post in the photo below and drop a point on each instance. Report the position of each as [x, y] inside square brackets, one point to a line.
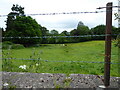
[108, 44]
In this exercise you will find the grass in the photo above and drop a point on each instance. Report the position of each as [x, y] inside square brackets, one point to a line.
[84, 51]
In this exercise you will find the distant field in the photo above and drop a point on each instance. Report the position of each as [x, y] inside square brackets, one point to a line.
[54, 58]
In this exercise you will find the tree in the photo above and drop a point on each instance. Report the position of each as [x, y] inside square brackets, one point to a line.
[98, 30]
[45, 32]
[54, 32]
[16, 11]
[63, 39]
[65, 33]
[23, 26]
[53, 39]
[81, 30]
[74, 32]
[80, 24]
[2, 31]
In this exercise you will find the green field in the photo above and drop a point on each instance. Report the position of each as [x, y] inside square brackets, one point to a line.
[54, 58]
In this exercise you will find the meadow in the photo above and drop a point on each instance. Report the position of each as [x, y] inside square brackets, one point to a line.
[68, 58]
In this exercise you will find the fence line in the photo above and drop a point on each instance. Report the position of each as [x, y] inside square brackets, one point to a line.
[53, 60]
[64, 36]
[91, 12]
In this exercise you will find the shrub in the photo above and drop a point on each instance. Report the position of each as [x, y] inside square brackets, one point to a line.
[6, 44]
[10, 45]
[17, 46]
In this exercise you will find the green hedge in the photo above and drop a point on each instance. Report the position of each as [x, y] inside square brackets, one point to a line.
[10, 45]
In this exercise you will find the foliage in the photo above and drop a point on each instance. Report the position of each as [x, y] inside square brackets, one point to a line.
[118, 41]
[54, 32]
[81, 30]
[27, 27]
[65, 33]
[6, 44]
[22, 26]
[44, 32]
[10, 45]
[16, 11]
[115, 31]
[98, 30]
[17, 46]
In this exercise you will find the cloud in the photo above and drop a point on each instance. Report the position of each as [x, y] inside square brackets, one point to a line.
[59, 22]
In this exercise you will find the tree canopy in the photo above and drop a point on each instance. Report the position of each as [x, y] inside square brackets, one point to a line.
[19, 25]
[81, 30]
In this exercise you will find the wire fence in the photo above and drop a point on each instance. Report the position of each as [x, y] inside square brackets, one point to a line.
[103, 35]
[64, 13]
[60, 37]
[56, 60]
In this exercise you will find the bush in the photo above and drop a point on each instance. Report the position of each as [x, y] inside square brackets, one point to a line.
[10, 45]
[17, 46]
[7, 42]
[6, 45]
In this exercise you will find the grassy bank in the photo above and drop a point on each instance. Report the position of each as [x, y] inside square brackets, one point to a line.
[57, 58]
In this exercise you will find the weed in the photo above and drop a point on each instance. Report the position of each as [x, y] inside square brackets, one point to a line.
[67, 82]
[8, 86]
[7, 63]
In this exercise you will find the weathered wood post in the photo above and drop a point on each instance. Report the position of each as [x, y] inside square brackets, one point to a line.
[108, 44]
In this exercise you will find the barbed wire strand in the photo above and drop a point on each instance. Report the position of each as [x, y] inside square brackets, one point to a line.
[64, 36]
[59, 13]
[54, 60]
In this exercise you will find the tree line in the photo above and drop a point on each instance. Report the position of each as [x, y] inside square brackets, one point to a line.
[20, 25]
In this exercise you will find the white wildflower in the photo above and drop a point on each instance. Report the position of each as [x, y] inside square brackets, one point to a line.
[63, 44]
[22, 66]
[5, 84]
[102, 86]
[37, 64]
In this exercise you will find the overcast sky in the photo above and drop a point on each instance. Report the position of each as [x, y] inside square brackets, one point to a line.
[60, 22]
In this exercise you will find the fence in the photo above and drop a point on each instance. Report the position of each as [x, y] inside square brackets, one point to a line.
[58, 37]
[107, 35]
[63, 13]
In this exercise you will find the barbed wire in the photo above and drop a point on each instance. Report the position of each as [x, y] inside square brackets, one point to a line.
[54, 60]
[86, 12]
[63, 36]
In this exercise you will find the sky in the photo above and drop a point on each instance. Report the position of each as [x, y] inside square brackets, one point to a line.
[61, 22]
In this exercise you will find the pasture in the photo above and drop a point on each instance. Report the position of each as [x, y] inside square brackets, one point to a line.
[61, 58]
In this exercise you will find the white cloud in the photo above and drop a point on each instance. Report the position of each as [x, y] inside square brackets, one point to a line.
[59, 22]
